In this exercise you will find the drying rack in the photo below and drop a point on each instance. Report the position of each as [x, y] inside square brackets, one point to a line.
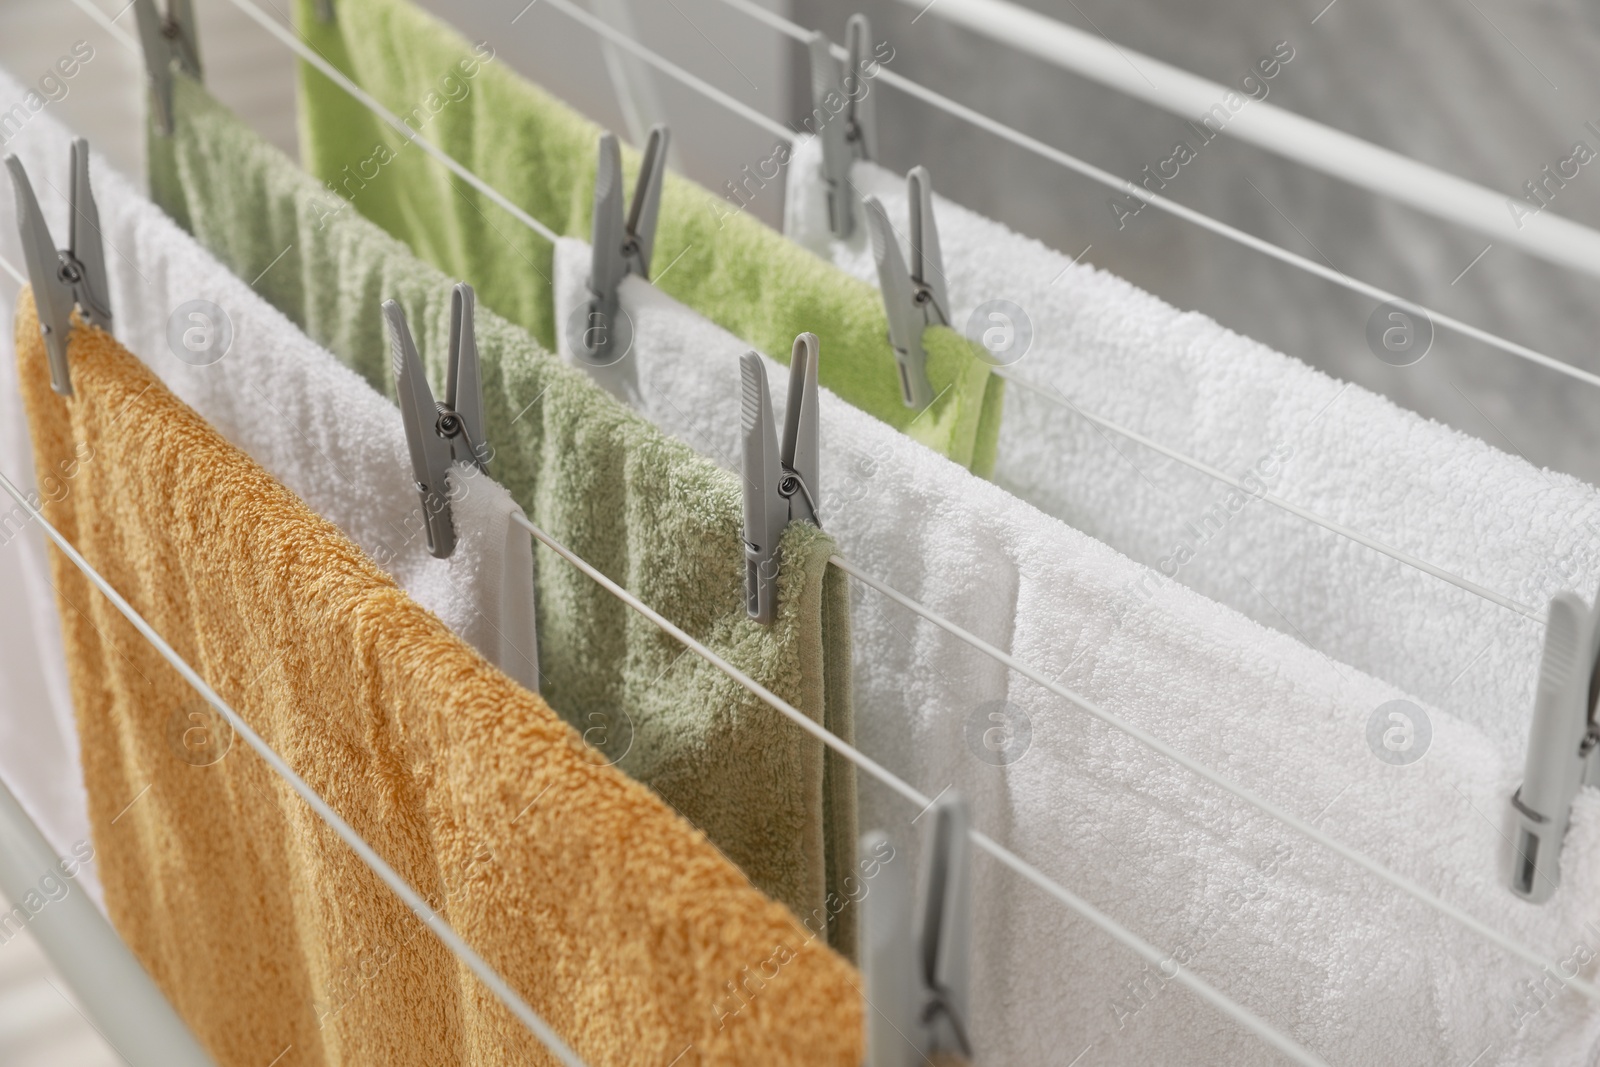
[1384, 173]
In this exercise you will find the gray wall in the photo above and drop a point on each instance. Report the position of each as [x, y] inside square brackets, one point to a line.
[1490, 89]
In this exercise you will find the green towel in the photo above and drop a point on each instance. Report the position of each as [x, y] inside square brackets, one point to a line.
[538, 152]
[646, 510]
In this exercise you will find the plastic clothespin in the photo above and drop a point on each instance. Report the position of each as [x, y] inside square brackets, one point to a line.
[918, 994]
[167, 40]
[1562, 745]
[849, 128]
[780, 486]
[66, 278]
[913, 298]
[622, 246]
[440, 434]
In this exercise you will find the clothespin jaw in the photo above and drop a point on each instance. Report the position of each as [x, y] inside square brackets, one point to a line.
[918, 980]
[780, 482]
[914, 297]
[439, 435]
[69, 278]
[846, 123]
[1563, 742]
[167, 40]
[621, 245]
[462, 410]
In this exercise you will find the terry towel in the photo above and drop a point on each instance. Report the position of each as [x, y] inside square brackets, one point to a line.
[618, 922]
[539, 153]
[1106, 347]
[647, 511]
[1355, 971]
[314, 424]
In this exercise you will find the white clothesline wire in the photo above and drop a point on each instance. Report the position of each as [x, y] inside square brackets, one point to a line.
[618, 37]
[1400, 882]
[1279, 502]
[289, 38]
[1172, 207]
[1283, 1043]
[1284, 133]
[660, 62]
[365, 852]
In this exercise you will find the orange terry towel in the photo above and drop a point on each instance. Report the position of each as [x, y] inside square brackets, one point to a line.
[614, 918]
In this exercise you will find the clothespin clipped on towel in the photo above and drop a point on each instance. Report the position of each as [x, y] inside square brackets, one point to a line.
[621, 246]
[1562, 745]
[914, 298]
[167, 40]
[848, 125]
[440, 433]
[69, 278]
[918, 995]
[780, 487]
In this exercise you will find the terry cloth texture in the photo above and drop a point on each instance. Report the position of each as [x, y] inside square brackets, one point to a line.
[538, 152]
[614, 918]
[1103, 346]
[313, 423]
[316, 426]
[1349, 967]
[645, 510]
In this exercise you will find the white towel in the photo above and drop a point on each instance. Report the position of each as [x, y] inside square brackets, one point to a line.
[305, 417]
[1353, 969]
[1338, 450]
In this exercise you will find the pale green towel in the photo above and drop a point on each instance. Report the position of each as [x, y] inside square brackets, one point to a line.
[646, 510]
[725, 264]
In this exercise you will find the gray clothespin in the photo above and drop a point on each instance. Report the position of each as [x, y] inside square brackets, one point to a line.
[439, 434]
[849, 127]
[918, 994]
[167, 40]
[1562, 745]
[66, 278]
[622, 246]
[780, 487]
[913, 298]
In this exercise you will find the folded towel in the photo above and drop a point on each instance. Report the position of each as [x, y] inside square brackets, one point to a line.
[541, 154]
[647, 511]
[617, 921]
[1356, 971]
[1104, 346]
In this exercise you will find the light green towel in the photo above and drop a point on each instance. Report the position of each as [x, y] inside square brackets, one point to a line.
[646, 510]
[725, 264]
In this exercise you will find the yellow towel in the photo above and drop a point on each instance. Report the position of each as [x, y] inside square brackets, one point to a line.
[614, 918]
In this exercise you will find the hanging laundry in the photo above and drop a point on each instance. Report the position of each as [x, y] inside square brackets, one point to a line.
[313, 423]
[1358, 972]
[1101, 346]
[537, 151]
[318, 427]
[647, 511]
[579, 886]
